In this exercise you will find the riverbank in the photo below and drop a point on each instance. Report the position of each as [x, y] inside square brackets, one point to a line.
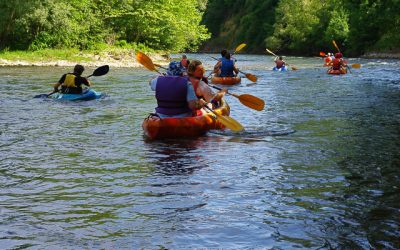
[382, 55]
[121, 58]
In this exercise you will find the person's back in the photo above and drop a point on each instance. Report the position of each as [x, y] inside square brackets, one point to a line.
[279, 62]
[71, 83]
[337, 63]
[228, 68]
[175, 94]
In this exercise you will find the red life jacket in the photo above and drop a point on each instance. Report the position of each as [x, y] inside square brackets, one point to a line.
[327, 59]
[279, 64]
[184, 63]
[336, 64]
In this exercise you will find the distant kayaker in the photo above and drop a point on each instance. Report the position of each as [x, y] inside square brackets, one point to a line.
[71, 83]
[280, 63]
[184, 61]
[226, 67]
[338, 63]
[175, 94]
[196, 73]
[328, 60]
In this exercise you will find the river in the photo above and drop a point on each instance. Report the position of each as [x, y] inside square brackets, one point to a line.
[317, 169]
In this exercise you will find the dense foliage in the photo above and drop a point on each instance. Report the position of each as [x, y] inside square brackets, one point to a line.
[85, 24]
[305, 26]
[299, 27]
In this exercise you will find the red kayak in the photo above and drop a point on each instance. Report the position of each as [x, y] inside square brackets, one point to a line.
[158, 128]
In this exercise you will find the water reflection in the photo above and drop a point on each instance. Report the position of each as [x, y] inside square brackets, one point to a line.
[177, 156]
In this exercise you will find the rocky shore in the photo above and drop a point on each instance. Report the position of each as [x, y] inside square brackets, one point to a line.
[381, 55]
[120, 60]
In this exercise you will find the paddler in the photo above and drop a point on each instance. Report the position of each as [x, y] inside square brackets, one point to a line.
[175, 94]
[71, 83]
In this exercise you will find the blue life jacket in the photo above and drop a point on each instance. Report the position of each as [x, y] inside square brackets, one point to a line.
[226, 67]
[171, 94]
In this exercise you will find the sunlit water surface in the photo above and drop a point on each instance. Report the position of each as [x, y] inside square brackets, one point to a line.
[319, 168]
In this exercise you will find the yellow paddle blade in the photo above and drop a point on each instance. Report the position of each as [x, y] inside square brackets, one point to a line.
[145, 61]
[251, 77]
[227, 121]
[251, 101]
[240, 47]
[160, 66]
[269, 51]
[356, 65]
[334, 44]
[294, 68]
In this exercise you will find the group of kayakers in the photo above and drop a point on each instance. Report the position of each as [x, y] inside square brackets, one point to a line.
[183, 91]
[336, 62]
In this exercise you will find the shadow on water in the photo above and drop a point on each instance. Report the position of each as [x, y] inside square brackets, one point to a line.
[176, 157]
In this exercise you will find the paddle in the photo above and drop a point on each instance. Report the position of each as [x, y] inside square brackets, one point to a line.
[247, 100]
[239, 48]
[269, 51]
[356, 65]
[228, 122]
[249, 76]
[322, 53]
[146, 62]
[102, 70]
[158, 65]
[337, 47]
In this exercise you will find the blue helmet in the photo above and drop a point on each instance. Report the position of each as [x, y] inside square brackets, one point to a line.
[175, 69]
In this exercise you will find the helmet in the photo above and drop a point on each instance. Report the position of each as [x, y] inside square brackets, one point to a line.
[175, 69]
[338, 55]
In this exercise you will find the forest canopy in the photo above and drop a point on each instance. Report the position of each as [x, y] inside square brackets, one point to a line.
[305, 27]
[301, 27]
[159, 24]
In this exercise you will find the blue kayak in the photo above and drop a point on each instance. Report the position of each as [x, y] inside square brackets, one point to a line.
[88, 94]
[284, 68]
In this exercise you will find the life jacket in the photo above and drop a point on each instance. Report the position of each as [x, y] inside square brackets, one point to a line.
[69, 81]
[327, 59]
[69, 85]
[279, 64]
[336, 63]
[226, 67]
[171, 94]
[184, 63]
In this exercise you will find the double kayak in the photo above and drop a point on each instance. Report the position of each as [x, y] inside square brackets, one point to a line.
[284, 68]
[226, 80]
[337, 71]
[87, 94]
[159, 128]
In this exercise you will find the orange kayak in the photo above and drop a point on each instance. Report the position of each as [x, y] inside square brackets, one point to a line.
[158, 128]
[337, 72]
[225, 80]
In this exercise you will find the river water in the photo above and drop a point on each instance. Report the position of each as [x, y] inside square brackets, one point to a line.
[317, 169]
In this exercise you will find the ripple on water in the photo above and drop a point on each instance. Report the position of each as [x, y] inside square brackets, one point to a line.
[318, 168]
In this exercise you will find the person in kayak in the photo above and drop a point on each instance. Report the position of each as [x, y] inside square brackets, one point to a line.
[203, 91]
[280, 63]
[71, 83]
[184, 61]
[175, 94]
[226, 67]
[328, 60]
[338, 63]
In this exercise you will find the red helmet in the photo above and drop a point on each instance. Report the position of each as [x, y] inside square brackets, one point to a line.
[338, 55]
